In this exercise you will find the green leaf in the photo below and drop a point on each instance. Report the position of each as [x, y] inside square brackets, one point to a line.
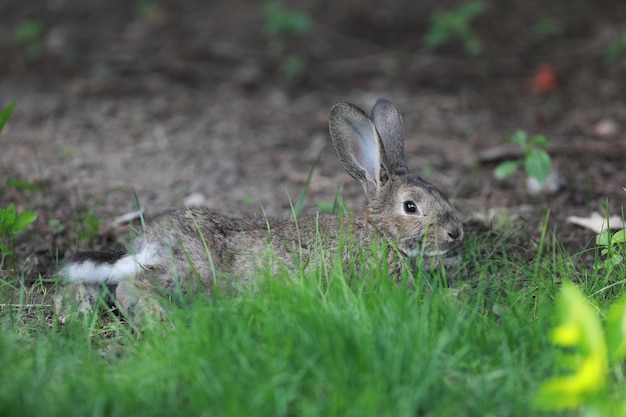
[538, 140]
[22, 220]
[538, 164]
[325, 207]
[455, 25]
[27, 31]
[505, 169]
[280, 21]
[616, 259]
[22, 185]
[616, 49]
[292, 67]
[473, 45]
[9, 216]
[603, 238]
[5, 114]
[545, 27]
[519, 137]
[619, 237]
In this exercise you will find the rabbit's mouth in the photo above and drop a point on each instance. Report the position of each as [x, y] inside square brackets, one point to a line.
[444, 253]
[449, 259]
[411, 248]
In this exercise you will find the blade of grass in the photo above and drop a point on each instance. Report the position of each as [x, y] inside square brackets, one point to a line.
[300, 203]
[5, 114]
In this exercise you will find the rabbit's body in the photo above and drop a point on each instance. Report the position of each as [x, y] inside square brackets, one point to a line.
[203, 243]
[184, 248]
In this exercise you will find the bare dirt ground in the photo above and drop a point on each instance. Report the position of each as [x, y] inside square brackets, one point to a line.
[187, 104]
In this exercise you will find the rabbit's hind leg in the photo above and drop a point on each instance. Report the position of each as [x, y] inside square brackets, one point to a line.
[76, 300]
[138, 298]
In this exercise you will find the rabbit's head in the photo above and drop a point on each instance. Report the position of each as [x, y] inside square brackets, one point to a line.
[403, 207]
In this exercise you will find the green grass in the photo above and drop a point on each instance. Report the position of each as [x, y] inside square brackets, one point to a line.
[307, 346]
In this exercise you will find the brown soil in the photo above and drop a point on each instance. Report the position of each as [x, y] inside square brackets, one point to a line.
[186, 103]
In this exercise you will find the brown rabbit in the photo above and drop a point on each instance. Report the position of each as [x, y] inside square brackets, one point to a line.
[183, 248]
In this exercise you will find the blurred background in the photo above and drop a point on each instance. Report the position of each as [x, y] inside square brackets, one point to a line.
[225, 104]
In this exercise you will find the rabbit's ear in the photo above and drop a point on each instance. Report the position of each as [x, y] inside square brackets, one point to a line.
[358, 146]
[388, 122]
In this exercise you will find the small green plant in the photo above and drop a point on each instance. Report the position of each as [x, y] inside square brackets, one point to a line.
[282, 25]
[28, 34]
[146, 9]
[56, 226]
[282, 22]
[536, 161]
[11, 223]
[545, 28]
[326, 207]
[21, 185]
[589, 350]
[616, 49]
[248, 200]
[335, 207]
[292, 66]
[613, 247]
[455, 24]
[90, 226]
[67, 151]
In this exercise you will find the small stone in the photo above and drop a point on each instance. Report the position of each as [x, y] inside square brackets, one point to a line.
[499, 310]
[551, 185]
[606, 127]
[249, 74]
[195, 200]
[56, 40]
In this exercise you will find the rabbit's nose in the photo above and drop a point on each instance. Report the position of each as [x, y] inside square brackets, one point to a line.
[455, 233]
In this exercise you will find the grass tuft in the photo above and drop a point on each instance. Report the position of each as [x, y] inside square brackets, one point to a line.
[329, 342]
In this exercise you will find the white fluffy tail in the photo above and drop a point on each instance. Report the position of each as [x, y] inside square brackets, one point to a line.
[109, 268]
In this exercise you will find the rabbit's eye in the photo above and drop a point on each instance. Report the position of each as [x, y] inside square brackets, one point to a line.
[410, 207]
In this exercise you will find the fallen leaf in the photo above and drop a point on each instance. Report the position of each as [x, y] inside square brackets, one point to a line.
[596, 222]
[544, 80]
[126, 218]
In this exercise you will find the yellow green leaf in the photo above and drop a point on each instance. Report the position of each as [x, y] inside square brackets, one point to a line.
[581, 331]
[573, 390]
[616, 331]
[566, 335]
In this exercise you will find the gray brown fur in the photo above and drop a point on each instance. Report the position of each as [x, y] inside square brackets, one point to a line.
[189, 247]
